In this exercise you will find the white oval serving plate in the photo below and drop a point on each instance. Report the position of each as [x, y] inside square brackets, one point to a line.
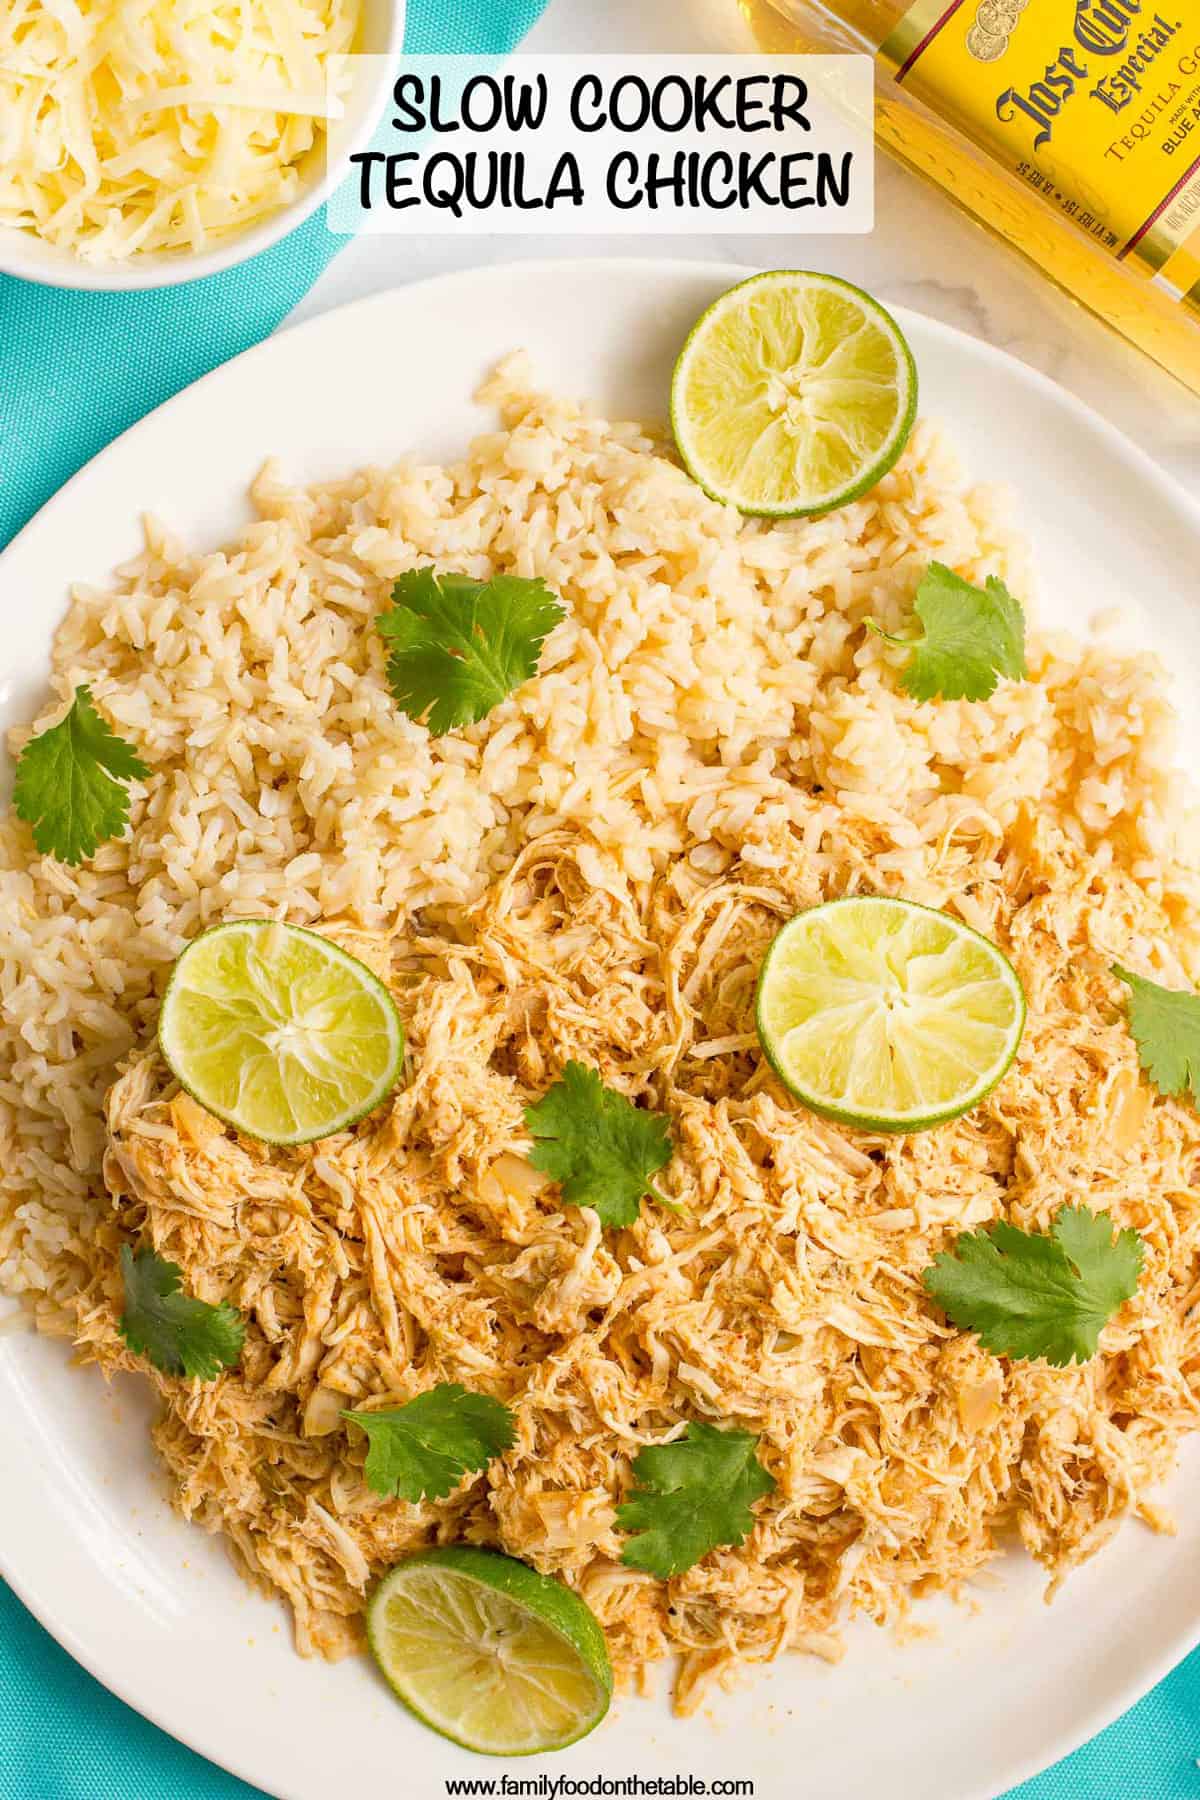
[152, 1607]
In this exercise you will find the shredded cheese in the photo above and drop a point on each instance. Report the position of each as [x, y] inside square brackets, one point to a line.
[136, 126]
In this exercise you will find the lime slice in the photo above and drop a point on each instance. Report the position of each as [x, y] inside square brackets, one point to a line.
[490, 1653]
[887, 1015]
[278, 1032]
[795, 393]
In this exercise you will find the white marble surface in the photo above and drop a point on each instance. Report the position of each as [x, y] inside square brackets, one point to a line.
[922, 253]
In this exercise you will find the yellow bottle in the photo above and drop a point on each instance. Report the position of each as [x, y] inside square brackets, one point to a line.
[1071, 127]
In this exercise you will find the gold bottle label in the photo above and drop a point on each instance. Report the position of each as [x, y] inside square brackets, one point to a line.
[1094, 105]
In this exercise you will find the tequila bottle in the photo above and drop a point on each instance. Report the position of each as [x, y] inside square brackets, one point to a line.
[1070, 127]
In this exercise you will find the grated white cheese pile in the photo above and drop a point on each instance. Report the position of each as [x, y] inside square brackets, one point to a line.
[160, 125]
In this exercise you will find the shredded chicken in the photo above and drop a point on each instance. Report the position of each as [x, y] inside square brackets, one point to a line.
[784, 1297]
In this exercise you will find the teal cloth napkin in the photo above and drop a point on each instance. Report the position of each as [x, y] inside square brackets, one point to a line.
[76, 368]
[65, 391]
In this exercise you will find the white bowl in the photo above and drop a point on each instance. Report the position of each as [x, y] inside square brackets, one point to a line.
[380, 41]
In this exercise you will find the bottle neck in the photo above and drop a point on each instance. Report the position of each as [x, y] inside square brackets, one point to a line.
[846, 26]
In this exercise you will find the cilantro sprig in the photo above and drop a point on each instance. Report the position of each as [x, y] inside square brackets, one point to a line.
[599, 1146]
[1165, 1026]
[422, 1450]
[690, 1497]
[1030, 1295]
[70, 782]
[177, 1333]
[972, 636]
[459, 647]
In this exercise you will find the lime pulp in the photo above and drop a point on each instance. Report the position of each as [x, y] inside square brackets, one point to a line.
[489, 1653]
[887, 1015]
[279, 1032]
[795, 393]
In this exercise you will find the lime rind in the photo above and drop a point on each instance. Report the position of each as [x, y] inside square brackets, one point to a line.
[489, 1653]
[911, 1004]
[279, 1032]
[792, 379]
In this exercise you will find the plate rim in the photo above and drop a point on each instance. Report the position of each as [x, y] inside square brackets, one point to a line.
[638, 266]
[50, 1615]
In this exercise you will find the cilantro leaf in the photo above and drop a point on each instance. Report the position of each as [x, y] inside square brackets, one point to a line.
[599, 1146]
[1165, 1023]
[972, 636]
[691, 1496]
[459, 647]
[70, 783]
[1030, 1295]
[422, 1450]
[179, 1335]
